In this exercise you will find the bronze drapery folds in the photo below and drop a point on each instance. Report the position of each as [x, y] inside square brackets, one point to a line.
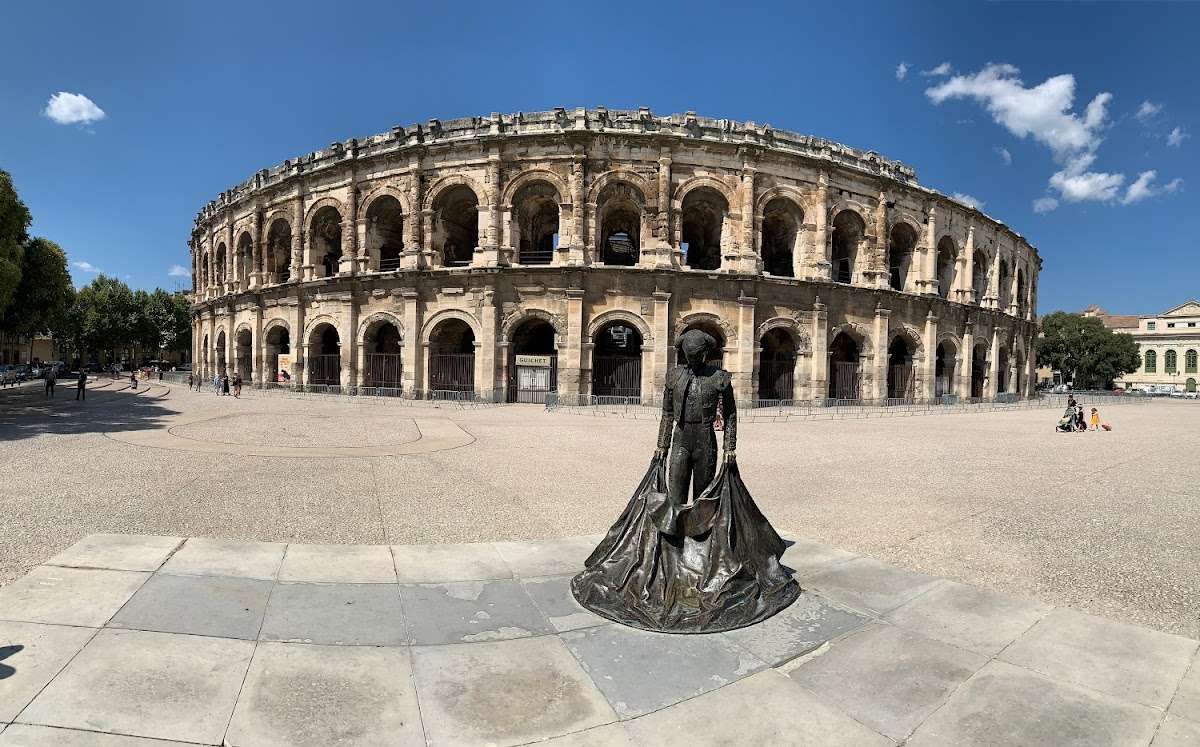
[702, 567]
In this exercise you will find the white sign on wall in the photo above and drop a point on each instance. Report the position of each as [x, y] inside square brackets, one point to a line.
[542, 361]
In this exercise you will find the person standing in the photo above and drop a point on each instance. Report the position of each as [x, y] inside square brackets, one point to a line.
[225, 384]
[191, 382]
[1095, 419]
[237, 385]
[81, 390]
[51, 379]
[216, 382]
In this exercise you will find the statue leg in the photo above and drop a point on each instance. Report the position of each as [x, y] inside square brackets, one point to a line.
[679, 474]
[704, 464]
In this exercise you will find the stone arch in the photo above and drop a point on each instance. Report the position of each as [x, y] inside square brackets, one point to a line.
[854, 206]
[621, 207]
[898, 218]
[912, 336]
[792, 327]
[858, 333]
[520, 316]
[707, 318]
[703, 218]
[365, 325]
[696, 182]
[242, 326]
[530, 176]
[385, 189]
[620, 315]
[643, 185]
[952, 339]
[314, 208]
[448, 182]
[317, 321]
[848, 245]
[778, 231]
[785, 192]
[946, 263]
[437, 318]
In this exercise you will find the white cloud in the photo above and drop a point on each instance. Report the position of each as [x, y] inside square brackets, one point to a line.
[1076, 184]
[1177, 136]
[1043, 112]
[86, 267]
[940, 70]
[72, 108]
[1147, 111]
[1004, 155]
[1173, 186]
[1140, 189]
[968, 200]
[1044, 204]
[179, 271]
[902, 71]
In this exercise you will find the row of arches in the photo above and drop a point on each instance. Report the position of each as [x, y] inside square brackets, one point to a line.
[1170, 361]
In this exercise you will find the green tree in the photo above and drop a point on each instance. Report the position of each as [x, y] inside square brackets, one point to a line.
[44, 293]
[1086, 352]
[14, 222]
[104, 317]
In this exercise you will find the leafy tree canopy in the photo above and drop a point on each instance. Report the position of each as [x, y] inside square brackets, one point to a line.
[44, 292]
[1086, 352]
[14, 222]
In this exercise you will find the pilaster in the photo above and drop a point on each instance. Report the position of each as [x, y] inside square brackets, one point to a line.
[929, 362]
[660, 361]
[570, 354]
[819, 379]
[412, 369]
[880, 335]
[821, 269]
[743, 376]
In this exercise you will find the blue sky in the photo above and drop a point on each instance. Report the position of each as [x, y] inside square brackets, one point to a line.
[197, 96]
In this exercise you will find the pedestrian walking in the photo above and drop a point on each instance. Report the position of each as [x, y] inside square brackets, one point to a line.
[216, 382]
[237, 386]
[1095, 419]
[1080, 423]
[51, 380]
[225, 385]
[191, 383]
[133, 379]
[81, 386]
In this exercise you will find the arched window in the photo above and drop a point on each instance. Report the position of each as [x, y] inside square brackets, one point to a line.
[1189, 361]
[385, 233]
[620, 224]
[1020, 292]
[979, 273]
[1169, 361]
[1003, 290]
[848, 230]
[456, 227]
[278, 255]
[536, 223]
[947, 257]
[703, 221]
[780, 229]
[1151, 359]
[326, 241]
[900, 249]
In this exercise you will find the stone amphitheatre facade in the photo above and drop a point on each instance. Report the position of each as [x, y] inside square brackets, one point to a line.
[506, 256]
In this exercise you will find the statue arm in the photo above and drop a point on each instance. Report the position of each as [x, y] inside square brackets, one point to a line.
[729, 413]
[668, 413]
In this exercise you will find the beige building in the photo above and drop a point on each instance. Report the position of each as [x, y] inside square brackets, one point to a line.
[1169, 344]
[508, 256]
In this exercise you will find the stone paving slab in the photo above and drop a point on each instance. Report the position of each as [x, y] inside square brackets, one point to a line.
[1004, 704]
[435, 564]
[869, 654]
[118, 552]
[1133, 663]
[159, 685]
[69, 596]
[216, 557]
[806, 557]
[297, 694]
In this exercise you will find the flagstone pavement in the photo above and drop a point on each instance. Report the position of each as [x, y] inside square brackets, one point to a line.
[143, 641]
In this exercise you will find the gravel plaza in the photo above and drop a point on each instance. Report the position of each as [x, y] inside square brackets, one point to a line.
[306, 570]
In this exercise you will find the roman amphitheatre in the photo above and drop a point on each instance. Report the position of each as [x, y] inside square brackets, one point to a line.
[501, 258]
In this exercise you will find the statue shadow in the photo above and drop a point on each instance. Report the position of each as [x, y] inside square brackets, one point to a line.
[27, 413]
[7, 671]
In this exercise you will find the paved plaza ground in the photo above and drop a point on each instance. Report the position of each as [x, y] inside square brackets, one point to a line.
[189, 568]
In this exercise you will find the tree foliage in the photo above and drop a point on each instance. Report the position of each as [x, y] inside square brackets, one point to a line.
[1086, 352]
[44, 292]
[14, 223]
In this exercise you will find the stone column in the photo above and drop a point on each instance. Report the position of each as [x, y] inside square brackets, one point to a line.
[660, 360]
[429, 255]
[488, 320]
[880, 258]
[300, 270]
[990, 388]
[570, 354]
[299, 345]
[412, 367]
[1013, 301]
[349, 348]
[927, 279]
[351, 257]
[992, 298]
[821, 269]
[230, 343]
[666, 254]
[500, 375]
[585, 368]
[743, 375]
[231, 263]
[490, 238]
[750, 256]
[819, 379]
[882, 324]
[415, 220]
[256, 351]
[966, 362]
[578, 211]
[966, 285]
[929, 363]
[256, 259]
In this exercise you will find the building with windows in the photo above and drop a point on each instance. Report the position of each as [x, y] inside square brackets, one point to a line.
[509, 256]
[1169, 344]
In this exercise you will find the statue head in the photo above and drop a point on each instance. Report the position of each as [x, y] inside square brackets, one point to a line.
[696, 345]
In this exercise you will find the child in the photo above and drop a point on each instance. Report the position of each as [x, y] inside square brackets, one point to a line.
[1095, 419]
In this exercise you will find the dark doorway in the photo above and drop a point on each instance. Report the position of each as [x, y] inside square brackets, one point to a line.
[533, 366]
[382, 367]
[278, 342]
[979, 366]
[245, 355]
[325, 359]
[944, 370]
[900, 379]
[452, 360]
[702, 223]
[777, 367]
[617, 362]
[844, 368]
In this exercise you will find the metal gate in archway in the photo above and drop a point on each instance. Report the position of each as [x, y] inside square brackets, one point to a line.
[531, 378]
[776, 378]
[617, 376]
[845, 380]
[452, 372]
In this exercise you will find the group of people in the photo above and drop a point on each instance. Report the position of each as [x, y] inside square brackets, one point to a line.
[1074, 420]
[221, 384]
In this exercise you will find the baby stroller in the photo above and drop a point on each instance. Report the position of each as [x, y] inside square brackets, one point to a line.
[1066, 424]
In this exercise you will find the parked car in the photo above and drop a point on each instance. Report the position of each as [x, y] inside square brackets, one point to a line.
[185, 367]
[22, 372]
[8, 375]
[36, 372]
[1191, 395]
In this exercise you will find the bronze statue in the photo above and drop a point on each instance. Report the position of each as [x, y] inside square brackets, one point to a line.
[702, 567]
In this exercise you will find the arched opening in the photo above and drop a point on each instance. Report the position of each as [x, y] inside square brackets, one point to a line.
[944, 370]
[1003, 289]
[947, 259]
[901, 384]
[900, 251]
[204, 262]
[1151, 361]
[220, 357]
[533, 366]
[325, 238]
[456, 225]
[1170, 361]
[780, 234]
[324, 356]
[244, 352]
[245, 263]
[617, 361]
[979, 369]
[536, 224]
[777, 366]
[381, 352]
[279, 251]
[1190, 385]
[844, 364]
[1002, 381]
[1019, 373]
[620, 211]
[385, 233]
[701, 224]
[717, 356]
[1020, 292]
[1189, 361]
[451, 360]
[979, 272]
[278, 342]
[206, 371]
[219, 267]
[848, 231]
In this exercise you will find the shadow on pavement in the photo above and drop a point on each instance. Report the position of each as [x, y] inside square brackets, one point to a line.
[25, 412]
